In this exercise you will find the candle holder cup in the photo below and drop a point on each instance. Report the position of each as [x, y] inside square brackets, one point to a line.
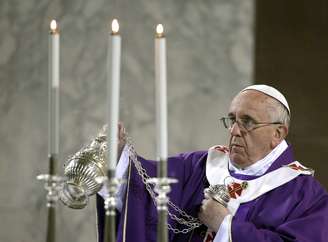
[53, 184]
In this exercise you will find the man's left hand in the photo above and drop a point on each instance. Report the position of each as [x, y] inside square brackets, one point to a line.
[212, 213]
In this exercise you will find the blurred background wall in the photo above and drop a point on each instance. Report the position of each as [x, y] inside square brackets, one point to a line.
[210, 58]
[215, 48]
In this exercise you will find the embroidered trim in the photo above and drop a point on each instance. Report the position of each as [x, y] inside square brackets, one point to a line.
[299, 167]
[217, 171]
[235, 189]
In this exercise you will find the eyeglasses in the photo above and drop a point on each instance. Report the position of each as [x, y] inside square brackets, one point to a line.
[246, 124]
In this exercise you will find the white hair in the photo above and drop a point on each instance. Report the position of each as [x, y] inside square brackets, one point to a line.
[279, 113]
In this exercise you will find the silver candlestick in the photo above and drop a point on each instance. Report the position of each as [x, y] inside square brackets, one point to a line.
[111, 184]
[162, 188]
[53, 184]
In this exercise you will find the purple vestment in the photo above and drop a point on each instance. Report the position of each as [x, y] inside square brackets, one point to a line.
[295, 211]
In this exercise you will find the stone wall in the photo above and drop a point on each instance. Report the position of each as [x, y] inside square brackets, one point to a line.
[210, 58]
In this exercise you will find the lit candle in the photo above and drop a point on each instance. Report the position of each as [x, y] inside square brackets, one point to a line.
[161, 103]
[113, 94]
[53, 89]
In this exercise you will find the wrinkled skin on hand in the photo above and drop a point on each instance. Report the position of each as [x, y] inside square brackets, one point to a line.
[212, 213]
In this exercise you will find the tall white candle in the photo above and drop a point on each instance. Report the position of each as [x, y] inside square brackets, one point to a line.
[53, 89]
[161, 102]
[113, 93]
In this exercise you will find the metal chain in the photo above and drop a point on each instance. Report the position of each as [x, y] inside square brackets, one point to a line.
[189, 221]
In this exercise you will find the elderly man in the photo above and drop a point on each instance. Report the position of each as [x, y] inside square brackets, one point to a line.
[254, 189]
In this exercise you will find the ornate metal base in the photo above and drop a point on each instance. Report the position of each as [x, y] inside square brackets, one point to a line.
[112, 185]
[162, 188]
[53, 184]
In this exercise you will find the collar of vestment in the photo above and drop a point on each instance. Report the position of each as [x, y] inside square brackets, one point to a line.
[244, 188]
[261, 166]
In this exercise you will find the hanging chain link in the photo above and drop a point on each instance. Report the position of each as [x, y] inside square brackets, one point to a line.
[189, 221]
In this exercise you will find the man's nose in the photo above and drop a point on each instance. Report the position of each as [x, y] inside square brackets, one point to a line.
[235, 129]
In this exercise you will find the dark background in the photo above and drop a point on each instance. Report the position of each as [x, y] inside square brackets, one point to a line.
[291, 53]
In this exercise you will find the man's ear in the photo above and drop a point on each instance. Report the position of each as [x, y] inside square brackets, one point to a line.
[280, 133]
[283, 131]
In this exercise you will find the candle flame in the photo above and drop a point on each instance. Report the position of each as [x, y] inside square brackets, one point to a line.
[53, 25]
[115, 26]
[159, 29]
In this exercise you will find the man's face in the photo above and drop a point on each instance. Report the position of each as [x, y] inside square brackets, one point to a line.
[247, 147]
